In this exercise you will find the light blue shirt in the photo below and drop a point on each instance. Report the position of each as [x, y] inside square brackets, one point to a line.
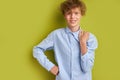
[72, 65]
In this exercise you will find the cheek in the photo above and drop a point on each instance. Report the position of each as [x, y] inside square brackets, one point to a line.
[67, 18]
[79, 17]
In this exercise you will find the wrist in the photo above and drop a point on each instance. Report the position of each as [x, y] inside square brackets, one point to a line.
[82, 43]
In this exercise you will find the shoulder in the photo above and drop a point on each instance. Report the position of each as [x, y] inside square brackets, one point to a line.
[58, 31]
[92, 41]
[92, 36]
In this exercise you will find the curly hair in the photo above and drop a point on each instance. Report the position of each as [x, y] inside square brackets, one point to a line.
[70, 4]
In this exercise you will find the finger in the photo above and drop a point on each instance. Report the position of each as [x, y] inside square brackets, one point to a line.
[84, 32]
[81, 33]
[57, 70]
[57, 73]
[87, 33]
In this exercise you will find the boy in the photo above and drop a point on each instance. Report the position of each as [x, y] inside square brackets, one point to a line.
[73, 48]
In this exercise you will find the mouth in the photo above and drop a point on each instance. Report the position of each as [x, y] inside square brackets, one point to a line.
[73, 21]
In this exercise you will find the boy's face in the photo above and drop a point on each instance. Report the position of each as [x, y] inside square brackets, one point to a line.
[73, 17]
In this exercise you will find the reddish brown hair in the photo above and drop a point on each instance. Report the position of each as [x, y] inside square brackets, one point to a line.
[70, 4]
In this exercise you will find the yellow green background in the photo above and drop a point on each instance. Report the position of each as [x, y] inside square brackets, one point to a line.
[24, 23]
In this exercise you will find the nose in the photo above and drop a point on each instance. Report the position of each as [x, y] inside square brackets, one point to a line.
[72, 15]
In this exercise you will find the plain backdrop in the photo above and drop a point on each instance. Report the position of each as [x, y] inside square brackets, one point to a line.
[25, 23]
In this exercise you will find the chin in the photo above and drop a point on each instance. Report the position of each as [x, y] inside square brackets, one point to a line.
[73, 25]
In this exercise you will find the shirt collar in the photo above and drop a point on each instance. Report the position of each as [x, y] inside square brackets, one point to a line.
[69, 31]
[75, 34]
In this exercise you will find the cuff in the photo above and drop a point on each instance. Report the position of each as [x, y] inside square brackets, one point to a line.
[84, 57]
[50, 66]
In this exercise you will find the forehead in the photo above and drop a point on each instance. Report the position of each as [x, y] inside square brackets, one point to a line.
[76, 9]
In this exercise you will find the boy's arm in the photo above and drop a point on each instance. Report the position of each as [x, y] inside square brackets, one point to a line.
[38, 52]
[88, 44]
[83, 38]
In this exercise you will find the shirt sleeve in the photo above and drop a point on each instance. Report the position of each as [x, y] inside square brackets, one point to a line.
[87, 60]
[38, 51]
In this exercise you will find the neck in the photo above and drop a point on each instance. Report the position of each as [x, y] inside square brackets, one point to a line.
[74, 29]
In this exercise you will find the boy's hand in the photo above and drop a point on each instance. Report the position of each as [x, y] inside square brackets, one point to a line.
[83, 36]
[54, 70]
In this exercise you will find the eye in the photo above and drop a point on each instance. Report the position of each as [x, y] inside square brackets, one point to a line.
[76, 13]
[68, 13]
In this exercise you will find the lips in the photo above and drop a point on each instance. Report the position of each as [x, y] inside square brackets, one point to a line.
[72, 21]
